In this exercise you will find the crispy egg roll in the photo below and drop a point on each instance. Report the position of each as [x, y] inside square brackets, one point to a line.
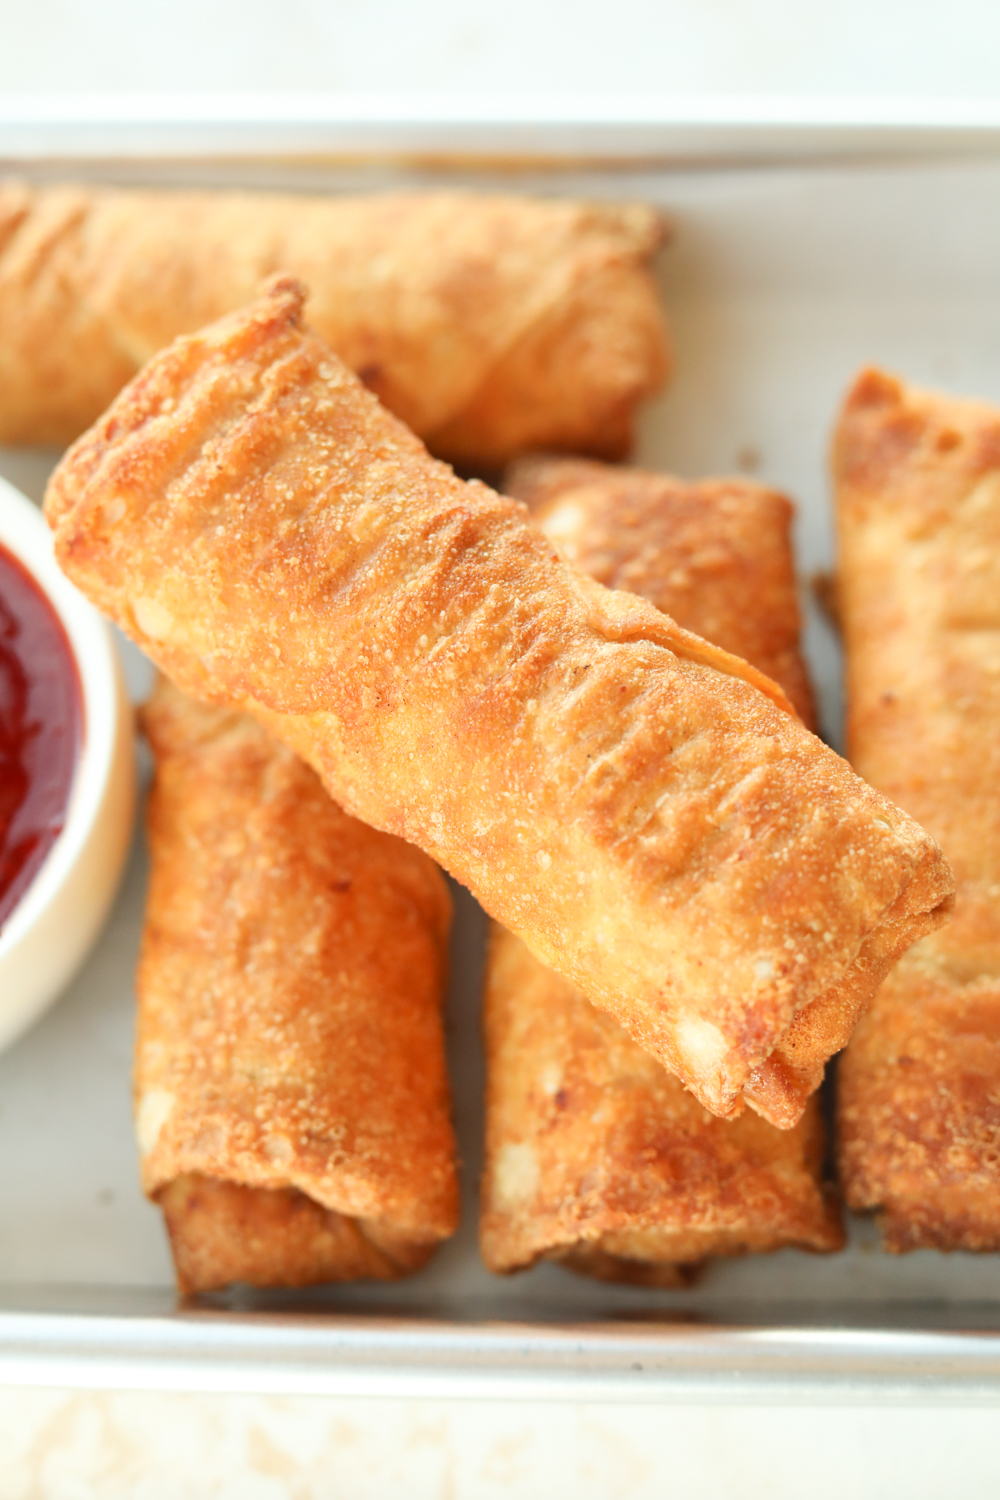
[599, 1158]
[292, 1103]
[489, 324]
[642, 808]
[596, 1156]
[715, 555]
[918, 517]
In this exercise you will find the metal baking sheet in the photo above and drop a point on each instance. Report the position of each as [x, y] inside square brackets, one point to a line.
[782, 279]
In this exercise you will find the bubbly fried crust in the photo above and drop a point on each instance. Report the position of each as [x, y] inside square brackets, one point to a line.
[918, 503]
[488, 323]
[291, 1095]
[640, 806]
[919, 1110]
[715, 555]
[595, 1156]
[598, 1157]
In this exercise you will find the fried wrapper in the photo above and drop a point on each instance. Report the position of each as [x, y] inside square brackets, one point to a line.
[490, 324]
[595, 1155]
[715, 555]
[292, 1103]
[641, 807]
[918, 518]
[599, 1158]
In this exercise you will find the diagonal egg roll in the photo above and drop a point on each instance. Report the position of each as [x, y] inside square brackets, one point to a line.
[488, 323]
[291, 1096]
[595, 1155]
[918, 515]
[641, 807]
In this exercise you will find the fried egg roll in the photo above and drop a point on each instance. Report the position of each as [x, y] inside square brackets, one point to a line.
[599, 1158]
[918, 517]
[292, 1104]
[596, 1156]
[642, 808]
[716, 555]
[489, 324]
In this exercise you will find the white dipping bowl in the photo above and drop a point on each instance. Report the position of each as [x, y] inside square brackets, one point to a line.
[52, 928]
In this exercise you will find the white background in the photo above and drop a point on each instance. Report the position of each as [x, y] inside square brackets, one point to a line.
[896, 48]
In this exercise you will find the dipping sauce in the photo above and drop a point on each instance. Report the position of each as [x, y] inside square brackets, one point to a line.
[41, 719]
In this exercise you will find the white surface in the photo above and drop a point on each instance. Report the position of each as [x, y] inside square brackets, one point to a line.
[51, 929]
[94, 1446]
[545, 47]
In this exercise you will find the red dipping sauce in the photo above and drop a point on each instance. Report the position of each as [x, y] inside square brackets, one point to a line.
[41, 719]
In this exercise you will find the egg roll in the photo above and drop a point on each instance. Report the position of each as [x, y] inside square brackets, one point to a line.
[715, 555]
[488, 323]
[600, 1159]
[292, 1103]
[596, 1156]
[641, 807]
[918, 520]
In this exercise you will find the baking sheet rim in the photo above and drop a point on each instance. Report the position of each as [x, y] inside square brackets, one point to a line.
[503, 130]
[327, 1355]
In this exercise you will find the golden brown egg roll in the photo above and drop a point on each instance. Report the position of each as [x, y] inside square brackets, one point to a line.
[292, 1103]
[918, 517]
[599, 1158]
[595, 1155]
[490, 324]
[642, 808]
[715, 555]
